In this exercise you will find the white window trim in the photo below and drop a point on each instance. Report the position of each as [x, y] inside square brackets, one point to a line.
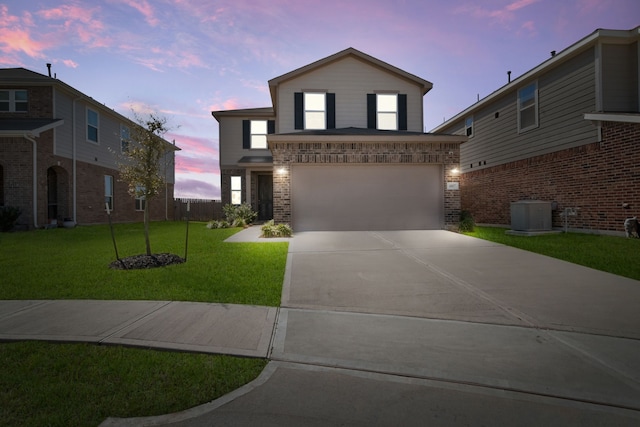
[308, 110]
[386, 112]
[108, 198]
[467, 127]
[236, 190]
[251, 134]
[140, 200]
[124, 141]
[12, 101]
[97, 127]
[535, 107]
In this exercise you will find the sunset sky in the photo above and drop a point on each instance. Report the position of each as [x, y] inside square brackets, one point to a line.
[183, 59]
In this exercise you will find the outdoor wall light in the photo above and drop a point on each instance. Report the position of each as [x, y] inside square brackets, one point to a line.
[455, 171]
[281, 171]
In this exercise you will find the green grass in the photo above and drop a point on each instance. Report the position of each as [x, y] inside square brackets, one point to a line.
[617, 255]
[73, 264]
[81, 385]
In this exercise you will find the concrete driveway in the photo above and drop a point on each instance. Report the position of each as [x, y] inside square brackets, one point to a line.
[438, 328]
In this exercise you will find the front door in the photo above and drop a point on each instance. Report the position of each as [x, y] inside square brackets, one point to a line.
[265, 197]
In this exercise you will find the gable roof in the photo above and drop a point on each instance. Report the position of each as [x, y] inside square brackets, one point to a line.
[266, 112]
[349, 52]
[598, 36]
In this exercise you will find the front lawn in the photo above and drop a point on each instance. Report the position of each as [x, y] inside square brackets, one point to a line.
[73, 264]
[69, 385]
[617, 255]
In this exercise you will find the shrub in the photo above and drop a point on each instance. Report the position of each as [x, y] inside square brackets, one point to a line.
[270, 229]
[467, 224]
[243, 212]
[217, 224]
[8, 217]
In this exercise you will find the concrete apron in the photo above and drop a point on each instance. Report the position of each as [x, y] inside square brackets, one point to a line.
[442, 306]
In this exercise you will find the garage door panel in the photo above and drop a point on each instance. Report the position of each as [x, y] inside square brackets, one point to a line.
[366, 197]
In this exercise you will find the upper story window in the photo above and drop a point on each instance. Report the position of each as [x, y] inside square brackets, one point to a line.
[92, 125]
[468, 126]
[258, 134]
[125, 138]
[254, 133]
[528, 107]
[387, 111]
[314, 110]
[14, 101]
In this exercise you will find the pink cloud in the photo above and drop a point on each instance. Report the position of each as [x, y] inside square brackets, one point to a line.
[70, 63]
[197, 165]
[193, 146]
[145, 9]
[15, 40]
[503, 15]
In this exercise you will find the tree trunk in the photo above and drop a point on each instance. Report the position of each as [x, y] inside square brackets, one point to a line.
[146, 227]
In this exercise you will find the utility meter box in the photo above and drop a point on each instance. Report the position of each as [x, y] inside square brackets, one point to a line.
[531, 215]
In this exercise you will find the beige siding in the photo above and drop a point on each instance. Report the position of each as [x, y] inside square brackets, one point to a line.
[63, 134]
[564, 95]
[231, 141]
[351, 80]
[620, 78]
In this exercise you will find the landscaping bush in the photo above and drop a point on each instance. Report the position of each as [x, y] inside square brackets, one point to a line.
[270, 229]
[8, 217]
[217, 224]
[467, 224]
[239, 215]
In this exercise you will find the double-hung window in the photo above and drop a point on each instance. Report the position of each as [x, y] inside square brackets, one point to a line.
[387, 111]
[315, 110]
[14, 101]
[140, 198]
[92, 125]
[125, 137]
[108, 191]
[236, 190]
[468, 126]
[528, 107]
[258, 134]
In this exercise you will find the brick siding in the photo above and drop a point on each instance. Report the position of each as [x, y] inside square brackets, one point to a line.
[596, 178]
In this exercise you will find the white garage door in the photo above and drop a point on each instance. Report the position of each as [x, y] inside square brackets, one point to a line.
[367, 197]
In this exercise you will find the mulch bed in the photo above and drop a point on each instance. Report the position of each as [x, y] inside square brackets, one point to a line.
[137, 262]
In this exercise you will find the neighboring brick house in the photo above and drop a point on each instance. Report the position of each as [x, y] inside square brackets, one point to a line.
[567, 132]
[342, 148]
[59, 155]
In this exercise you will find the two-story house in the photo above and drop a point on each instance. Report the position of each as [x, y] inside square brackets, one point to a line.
[59, 155]
[342, 148]
[566, 132]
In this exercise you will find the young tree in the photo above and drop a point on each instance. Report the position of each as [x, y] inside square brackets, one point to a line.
[141, 169]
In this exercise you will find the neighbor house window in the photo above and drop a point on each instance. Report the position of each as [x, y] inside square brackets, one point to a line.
[259, 134]
[314, 110]
[92, 125]
[14, 101]
[108, 191]
[125, 137]
[387, 111]
[236, 190]
[528, 107]
[468, 126]
[140, 200]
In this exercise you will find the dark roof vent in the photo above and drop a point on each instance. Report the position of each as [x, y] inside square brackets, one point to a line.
[49, 68]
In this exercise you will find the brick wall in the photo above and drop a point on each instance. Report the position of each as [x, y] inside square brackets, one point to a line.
[596, 178]
[285, 154]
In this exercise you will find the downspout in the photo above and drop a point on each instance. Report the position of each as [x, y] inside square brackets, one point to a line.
[35, 179]
[74, 159]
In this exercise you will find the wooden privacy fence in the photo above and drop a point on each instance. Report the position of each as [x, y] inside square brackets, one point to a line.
[200, 210]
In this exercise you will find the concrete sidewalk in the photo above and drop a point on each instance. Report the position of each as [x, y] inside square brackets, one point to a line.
[239, 330]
